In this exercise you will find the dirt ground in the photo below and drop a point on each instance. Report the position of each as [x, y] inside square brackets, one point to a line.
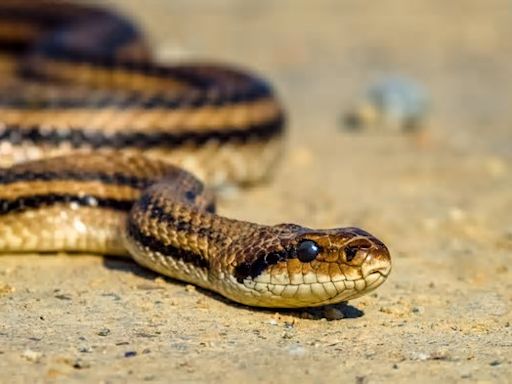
[440, 199]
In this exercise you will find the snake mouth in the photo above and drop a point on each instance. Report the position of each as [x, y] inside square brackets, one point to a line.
[374, 279]
[383, 271]
[273, 294]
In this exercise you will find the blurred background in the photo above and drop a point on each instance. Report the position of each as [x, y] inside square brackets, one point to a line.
[321, 55]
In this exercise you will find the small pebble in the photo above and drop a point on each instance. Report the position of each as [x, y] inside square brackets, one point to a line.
[104, 332]
[420, 356]
[130, 354]
[63, 297]
[296, 350]
[441, 355]
[114, 296]
[287, 335]
[31, 355]
[418, 310]
[395, 103]
[145, 334]
[6, 288]
[190, 288]
[81, 364]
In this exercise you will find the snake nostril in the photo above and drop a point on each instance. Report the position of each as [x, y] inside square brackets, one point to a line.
[355, 246]
[350, 253]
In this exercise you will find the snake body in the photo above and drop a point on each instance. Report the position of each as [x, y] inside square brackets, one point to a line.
[99, 145]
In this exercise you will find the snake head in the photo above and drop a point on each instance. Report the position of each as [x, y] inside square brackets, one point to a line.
[315, 267]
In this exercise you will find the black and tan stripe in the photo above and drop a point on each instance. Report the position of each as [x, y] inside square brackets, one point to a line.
[76, 86]
[153, 211]
[21, 196]
[156, 245]
[25, 203]
[85, 180]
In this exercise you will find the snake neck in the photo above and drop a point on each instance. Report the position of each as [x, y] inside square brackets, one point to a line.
[173, 230]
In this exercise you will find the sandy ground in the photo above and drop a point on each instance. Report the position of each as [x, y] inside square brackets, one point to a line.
[441, 200]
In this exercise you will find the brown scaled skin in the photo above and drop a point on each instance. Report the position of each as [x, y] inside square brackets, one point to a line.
[285, 265]
[223, 124]
[350, 262]
[172, 229]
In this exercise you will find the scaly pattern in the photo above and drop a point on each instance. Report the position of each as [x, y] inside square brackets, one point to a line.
[98, 145]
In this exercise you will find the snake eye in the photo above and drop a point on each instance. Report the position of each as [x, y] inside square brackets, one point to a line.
[307, 251]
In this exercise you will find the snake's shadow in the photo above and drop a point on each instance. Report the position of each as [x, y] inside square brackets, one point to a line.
[342, 310]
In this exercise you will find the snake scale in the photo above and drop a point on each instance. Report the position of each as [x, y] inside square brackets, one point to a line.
[98, 145]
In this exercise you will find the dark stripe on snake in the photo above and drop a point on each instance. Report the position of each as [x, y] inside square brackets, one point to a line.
[117, 30]
[214, 98]
[10, 177]
[155, 245]
[156, 212]
[40, 201]
[15, 47]
[78, 137]
[254, 268]
[42, 14]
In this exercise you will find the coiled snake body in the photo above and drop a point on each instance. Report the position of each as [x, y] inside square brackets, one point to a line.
[89, 127]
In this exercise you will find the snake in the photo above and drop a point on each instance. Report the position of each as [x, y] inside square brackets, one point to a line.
[105, 150]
